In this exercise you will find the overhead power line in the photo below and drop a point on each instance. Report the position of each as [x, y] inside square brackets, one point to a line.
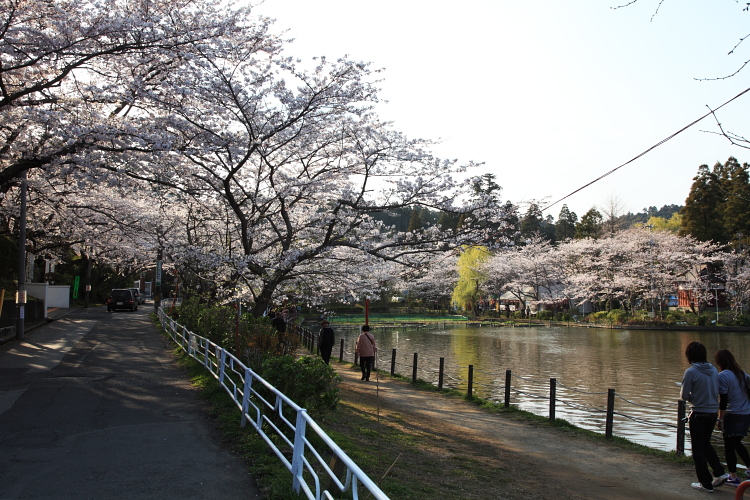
[711, 112]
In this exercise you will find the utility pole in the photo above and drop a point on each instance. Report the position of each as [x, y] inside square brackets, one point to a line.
[21, 293]
[157, 282]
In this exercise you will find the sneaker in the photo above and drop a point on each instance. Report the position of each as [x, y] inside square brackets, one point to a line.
[718, 481]
[700, 487]
[733, 481]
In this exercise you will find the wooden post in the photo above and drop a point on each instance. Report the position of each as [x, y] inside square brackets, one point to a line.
[680, 427]
[610, 413]
[507, 389]
[393, 362]
[552, 397]
[338, 467]
[440, 374]
[414, 368]
[341, 352]
[471, 381]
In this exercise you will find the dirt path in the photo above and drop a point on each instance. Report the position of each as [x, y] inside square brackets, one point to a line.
[537, 461]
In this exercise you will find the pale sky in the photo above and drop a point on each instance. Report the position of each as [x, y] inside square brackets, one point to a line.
[549, 94]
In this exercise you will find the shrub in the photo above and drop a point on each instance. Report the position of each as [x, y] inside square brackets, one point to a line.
[543, 315]
[742, 320]
[617, 316]
[307, 381]
[598, 317]
[702, 320]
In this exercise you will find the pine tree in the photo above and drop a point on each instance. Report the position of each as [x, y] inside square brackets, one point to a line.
[532, 222]
[736, 207]
[590, 225]
[566, 224]
[415, 222]
[702, 215]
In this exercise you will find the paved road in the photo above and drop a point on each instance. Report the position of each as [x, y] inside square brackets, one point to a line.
[93, 406]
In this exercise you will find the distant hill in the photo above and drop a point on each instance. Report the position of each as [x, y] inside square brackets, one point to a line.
[643, 216]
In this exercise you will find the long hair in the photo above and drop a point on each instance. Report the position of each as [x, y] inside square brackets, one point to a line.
[726, 361]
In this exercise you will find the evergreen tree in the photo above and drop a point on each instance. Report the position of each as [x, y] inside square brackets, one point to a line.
[548, 229]
[532, 222]
[415, 222]
[736, 208]
[590, 225]
[702, 215]
[566, 224]
[486, 185]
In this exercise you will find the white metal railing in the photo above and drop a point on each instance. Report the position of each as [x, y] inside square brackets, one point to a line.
[268, 418]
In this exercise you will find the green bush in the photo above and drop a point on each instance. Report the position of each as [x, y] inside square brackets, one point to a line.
[308, 381]
[742, 320]
[617, 316]
[543, 315]
[598, 317]
[702, 320]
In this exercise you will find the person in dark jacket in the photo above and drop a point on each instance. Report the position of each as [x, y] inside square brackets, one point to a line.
[326, 339]
[700, 387]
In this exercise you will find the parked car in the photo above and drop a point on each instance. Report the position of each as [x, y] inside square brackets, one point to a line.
[122, 298]
[138, 296]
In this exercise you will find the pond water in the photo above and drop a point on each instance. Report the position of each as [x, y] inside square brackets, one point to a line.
[644, 367]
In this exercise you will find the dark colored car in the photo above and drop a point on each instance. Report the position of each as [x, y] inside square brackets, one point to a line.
[122, 298]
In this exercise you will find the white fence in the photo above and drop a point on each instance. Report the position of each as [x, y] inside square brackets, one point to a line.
[284, 437]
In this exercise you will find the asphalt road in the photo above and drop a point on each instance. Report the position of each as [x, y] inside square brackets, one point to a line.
[93, 406]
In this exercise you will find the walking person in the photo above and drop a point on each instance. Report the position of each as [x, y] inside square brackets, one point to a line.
[326, 339]
[734, 412]
[700, 387]
[366, 349]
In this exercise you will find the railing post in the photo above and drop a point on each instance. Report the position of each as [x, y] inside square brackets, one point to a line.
[299, 450]
[341, 352]
[507, 389]
[393, 362]
[471, 381]
[414, 368]
[222, 365]
[680, 427]
[440, 374]
[552, 397]
[246, 395]
[610, 413]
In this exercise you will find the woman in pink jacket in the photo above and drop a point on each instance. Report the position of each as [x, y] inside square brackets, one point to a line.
[366, 350]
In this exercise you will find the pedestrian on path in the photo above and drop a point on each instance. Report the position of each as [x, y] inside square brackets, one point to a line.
[734, 412]
[700, 387]
[326, 339]
[366, 349]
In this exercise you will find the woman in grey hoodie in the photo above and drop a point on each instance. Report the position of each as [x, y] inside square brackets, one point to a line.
[700, 387]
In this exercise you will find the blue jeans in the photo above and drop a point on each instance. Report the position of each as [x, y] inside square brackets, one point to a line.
[701, 426]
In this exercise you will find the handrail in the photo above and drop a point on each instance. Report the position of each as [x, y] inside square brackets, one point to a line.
[270, 421]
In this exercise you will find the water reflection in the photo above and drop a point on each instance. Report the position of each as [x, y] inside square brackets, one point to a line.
[643, 366]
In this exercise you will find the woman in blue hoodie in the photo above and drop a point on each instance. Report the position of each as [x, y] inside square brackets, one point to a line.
[734, 411]
[700, 387]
